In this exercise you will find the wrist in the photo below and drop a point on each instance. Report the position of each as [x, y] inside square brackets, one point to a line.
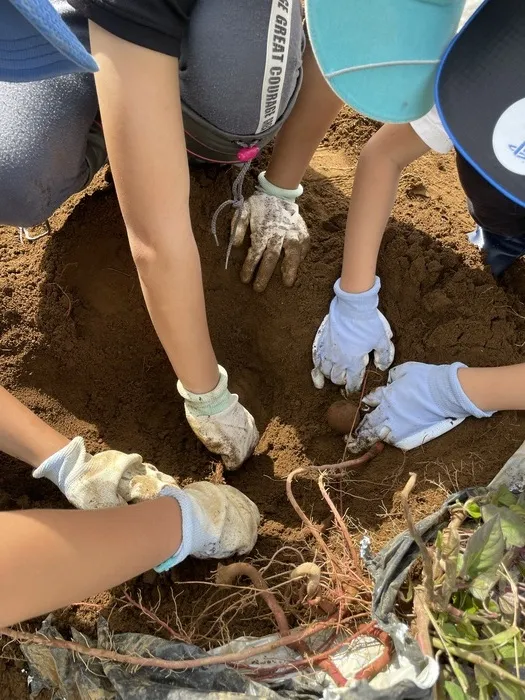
[212, 402]
[289, 195]
[361, 304]
[55, 468]
[184, 525]
[450, 396]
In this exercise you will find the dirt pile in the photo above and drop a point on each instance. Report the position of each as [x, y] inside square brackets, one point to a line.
[77, 346]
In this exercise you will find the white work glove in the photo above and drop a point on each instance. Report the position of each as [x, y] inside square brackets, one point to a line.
[221, 423]
[348, 334]
[275, 223]
[218, 521]
[105, 480]
[420, 403]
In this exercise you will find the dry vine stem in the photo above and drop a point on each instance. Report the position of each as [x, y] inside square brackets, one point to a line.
[153, 662]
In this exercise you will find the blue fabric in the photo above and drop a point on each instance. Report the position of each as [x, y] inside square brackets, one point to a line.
[500, 251]
[35, 43]
[347, 33]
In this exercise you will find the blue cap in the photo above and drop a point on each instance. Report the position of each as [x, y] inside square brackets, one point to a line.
[381, 56]
[35, 43]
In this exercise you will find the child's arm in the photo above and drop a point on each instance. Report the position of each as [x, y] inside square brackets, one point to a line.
[380, 165]
[422, 402]
[24, 435]
[49, 559]
[354, 326]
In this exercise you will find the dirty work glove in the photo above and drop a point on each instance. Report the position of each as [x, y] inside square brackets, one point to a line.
[218, 521]
[221, 423]
[351, 330]
[108, 479]
[419, 403]
[275, 223]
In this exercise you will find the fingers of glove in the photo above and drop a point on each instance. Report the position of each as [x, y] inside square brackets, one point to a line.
[253, 257]
[318, 340]
[239, 225]
[384, 355]
[296, 246]
[268, 263]
[292, 259]
[317, 378]
[374, 398]
[143, 482]
[230, 520]
[355, 374]
[400, 371]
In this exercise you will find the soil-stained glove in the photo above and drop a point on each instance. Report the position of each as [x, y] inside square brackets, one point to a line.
[221, 423]
[420, 403]
[348, 334]
[218, 521]
[105, 480]
[275, 223]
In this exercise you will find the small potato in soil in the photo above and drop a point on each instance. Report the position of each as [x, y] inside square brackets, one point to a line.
[341, 416]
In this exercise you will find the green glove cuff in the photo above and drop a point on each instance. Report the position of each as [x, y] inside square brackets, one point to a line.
[215, 401]
[268, 188]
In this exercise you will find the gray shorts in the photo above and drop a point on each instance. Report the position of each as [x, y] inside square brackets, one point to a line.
[240, 71]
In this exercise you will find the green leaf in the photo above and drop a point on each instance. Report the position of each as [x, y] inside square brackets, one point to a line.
[454, 691]
[512, 524]
[473, 509]
[519, 510]
[508, 652]
[484, 550]
[493, 642]
[482, 585]
[504, 497]
[508, 691]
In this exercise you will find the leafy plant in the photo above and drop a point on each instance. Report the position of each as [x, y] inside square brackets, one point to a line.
[473, 592]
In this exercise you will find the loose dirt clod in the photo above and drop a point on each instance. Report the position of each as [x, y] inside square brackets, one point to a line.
[341, 416]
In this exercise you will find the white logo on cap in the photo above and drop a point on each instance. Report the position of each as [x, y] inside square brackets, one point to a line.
[508, 138]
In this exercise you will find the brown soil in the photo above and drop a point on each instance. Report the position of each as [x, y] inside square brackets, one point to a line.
[77, 346]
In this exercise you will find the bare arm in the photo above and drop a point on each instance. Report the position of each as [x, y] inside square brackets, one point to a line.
[24, 435]
[139, 98]
[495, 388]
[316, 108]
[123, 542]
[376, 181]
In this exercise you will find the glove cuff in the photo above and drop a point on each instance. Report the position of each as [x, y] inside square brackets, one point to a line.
[215, 401]
[269, 188]
[448, 393]
[51, 468]
[361, 305]
[187, 527]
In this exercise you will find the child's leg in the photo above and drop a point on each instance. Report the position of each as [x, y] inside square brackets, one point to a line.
[49, 147]
[240, 70]
[500, 251]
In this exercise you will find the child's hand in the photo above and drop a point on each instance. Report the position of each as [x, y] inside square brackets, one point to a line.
[108, 479]
[218, 521]
[353, 328]
[276, 225]
[221, 422]
[419, 403]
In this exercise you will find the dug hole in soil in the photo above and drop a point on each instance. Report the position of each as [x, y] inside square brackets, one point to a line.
[77, 346]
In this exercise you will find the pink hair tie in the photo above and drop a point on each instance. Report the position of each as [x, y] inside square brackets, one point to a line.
[247, 153]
